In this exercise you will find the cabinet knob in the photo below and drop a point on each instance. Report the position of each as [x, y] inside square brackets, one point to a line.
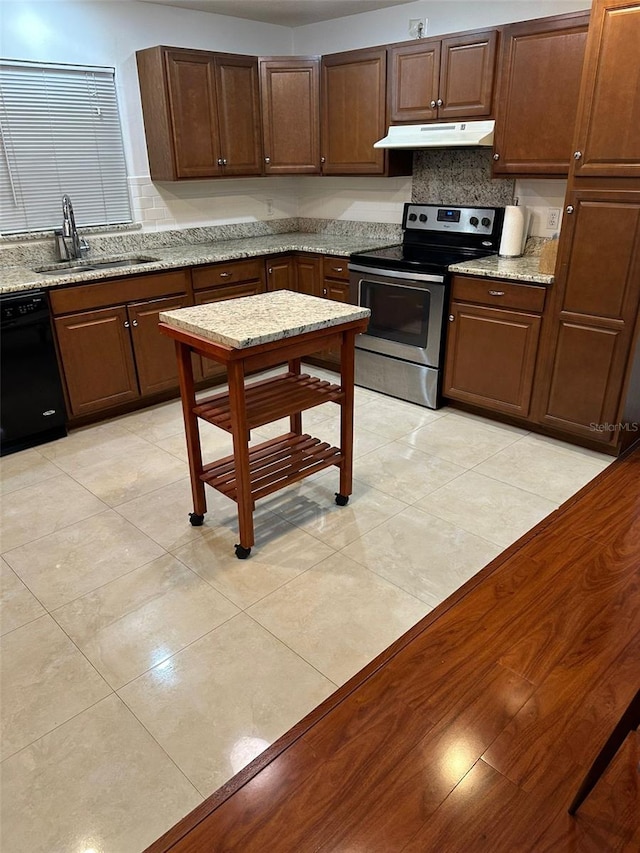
[323, 159]
[496, 156]
[267, 159]
[569, 208]
[451, 318]
[220, 161]
[577, 155]
[433, 105]
[224, 161]
[324, 291]
[270, 270]
[126, 324]
[440, 102]
[496, 293]
[134, 322]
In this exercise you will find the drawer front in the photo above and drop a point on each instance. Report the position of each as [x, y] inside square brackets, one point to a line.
[231, 291]
[335, 268]
[498, 293]
[230, 273]
[134, 288]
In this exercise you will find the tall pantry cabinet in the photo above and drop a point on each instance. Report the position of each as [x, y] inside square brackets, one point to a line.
[593, 327]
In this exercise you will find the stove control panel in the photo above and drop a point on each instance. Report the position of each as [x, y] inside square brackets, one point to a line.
[453, 219]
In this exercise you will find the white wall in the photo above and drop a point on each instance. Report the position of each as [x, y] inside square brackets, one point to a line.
[444, 16]
[108, 33]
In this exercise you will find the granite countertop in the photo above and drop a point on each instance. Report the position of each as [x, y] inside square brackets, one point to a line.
[17, 278]
[252, 320]
[525, 269]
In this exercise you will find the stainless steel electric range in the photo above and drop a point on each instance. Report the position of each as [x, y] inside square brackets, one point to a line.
[407, 289]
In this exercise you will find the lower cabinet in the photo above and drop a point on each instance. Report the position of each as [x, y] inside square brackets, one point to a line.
[281, 273]
[492, 344]
[216, 283]
[114, 355]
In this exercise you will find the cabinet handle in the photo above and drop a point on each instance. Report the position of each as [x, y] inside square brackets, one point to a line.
[134, 322]
[496, 293]
[267, 160]
[433, 105]
[569, 208]
[496, 156]
[577, 155]
[440, 102]
[126, 324]
[451, 318]
[225, 275]
[337, 269]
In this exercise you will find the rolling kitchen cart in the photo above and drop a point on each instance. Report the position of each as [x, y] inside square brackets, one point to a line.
[250, 334]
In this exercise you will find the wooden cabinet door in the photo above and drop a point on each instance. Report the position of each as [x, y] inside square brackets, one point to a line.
[413, 80]
[239, 114]
[194, 121]
[466, 75]
[155, 353]
[309, 275]
[353, 112]
[540, 72]
[597, 294]
[97, 359]
[290, 95]
[281, 273]
[608, 130]
[490, 357]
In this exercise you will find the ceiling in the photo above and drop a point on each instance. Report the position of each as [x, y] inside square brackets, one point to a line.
[286, 13]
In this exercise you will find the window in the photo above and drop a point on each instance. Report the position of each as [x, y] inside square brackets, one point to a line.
[60, 133]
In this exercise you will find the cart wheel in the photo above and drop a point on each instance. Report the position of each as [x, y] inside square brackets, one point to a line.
[342, 500]
[195, 519]
[242, 553]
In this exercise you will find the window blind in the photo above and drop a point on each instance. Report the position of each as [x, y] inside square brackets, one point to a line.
[60, 133]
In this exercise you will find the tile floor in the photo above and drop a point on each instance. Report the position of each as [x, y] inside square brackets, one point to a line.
[143, 664]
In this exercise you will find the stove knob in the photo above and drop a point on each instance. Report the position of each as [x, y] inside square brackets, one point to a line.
[412, 217]
[423, 217]
[486, 221]
[474, 221]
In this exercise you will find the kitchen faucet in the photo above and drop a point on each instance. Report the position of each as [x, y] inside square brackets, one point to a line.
[70, 245]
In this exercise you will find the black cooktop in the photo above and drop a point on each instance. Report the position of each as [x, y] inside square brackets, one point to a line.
[412, 259]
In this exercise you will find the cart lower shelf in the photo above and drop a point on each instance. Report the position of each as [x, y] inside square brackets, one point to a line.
[273, 464]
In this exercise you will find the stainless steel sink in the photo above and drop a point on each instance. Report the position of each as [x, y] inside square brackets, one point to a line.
[87, 266]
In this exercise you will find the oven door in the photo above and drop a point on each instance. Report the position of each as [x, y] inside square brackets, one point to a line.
[407, 313]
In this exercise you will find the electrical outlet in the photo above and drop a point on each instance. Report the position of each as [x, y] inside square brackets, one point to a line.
[553, 218]
[417, 28]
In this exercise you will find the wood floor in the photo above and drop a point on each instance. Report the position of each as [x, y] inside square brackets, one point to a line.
[474, 730]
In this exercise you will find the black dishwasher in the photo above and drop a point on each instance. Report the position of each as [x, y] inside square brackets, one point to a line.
[32, 403]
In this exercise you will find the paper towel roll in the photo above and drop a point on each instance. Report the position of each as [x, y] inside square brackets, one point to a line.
[511, 242]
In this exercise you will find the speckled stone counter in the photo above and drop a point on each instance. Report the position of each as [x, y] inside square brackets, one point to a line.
[17, 278]
[252, 320]
[525, 269]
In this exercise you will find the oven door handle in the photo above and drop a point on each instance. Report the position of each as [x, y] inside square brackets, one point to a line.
[399, 274]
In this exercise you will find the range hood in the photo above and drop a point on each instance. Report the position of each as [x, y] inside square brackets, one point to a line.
[444, 135]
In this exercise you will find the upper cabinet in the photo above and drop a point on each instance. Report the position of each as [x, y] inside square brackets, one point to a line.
[353, 112]
[540, 69]
[450, 78]
[290, 94]
[608, 134]
[201, 113]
